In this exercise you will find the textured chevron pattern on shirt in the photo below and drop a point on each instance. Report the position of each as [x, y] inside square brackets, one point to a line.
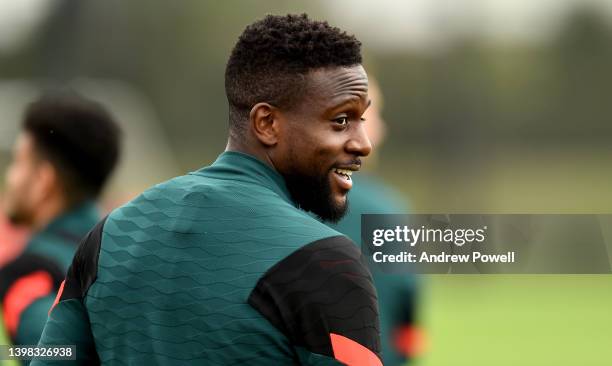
[176, 268]
[166, 279]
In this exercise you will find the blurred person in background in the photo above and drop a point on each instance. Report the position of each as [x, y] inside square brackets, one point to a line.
[66, 150]
[397, 293]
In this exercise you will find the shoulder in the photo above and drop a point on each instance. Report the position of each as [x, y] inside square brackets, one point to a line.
[320, 295]
[84, 268]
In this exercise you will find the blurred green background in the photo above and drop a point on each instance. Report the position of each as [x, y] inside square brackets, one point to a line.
[493, 106]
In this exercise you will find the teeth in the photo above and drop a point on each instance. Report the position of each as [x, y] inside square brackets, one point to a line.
[346, 172]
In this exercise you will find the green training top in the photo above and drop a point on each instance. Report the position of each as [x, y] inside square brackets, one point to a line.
[59, 240]
[217, 267]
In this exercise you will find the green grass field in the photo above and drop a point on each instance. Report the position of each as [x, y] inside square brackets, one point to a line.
[503, 320]
[517, 320]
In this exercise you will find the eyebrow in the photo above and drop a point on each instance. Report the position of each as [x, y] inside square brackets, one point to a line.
[351, 101]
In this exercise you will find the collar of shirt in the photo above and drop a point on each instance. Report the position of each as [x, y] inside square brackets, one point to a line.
[234, 165]
[72, 225]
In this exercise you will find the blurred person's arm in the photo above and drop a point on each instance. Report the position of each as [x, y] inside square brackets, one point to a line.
[27, 288]
[406, 335]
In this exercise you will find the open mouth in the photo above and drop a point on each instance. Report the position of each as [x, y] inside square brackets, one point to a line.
[345, 173]
[343, 178]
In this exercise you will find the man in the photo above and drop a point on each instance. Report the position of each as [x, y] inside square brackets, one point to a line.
[397, 293]
[223, 266]
[66, 150]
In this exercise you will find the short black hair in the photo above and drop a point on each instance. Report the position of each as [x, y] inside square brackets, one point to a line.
[271, 57]
[78, 137]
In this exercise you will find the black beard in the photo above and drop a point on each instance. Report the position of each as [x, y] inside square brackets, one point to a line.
[17, 218]
[314, 194]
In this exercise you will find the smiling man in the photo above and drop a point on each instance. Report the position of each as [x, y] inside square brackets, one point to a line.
[224, 266]
[315, 145]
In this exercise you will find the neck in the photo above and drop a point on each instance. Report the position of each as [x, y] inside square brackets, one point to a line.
[48, 211]
[234, 145]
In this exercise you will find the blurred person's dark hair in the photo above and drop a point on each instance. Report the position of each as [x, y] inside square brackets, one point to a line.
[271, 57]
[78, 137]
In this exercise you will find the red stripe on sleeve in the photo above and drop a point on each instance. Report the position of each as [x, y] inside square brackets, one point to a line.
[352, 353]
[58, 296]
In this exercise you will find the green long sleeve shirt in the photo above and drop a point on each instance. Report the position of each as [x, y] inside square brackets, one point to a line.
[218, 267]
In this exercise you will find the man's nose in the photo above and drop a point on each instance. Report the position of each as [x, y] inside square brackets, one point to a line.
[359, 143]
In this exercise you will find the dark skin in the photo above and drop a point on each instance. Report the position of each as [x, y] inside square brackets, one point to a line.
[322, 133]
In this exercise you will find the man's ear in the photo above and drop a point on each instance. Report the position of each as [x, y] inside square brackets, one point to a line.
[265, 123]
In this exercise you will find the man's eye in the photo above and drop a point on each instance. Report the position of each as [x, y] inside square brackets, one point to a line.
[342, 121]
